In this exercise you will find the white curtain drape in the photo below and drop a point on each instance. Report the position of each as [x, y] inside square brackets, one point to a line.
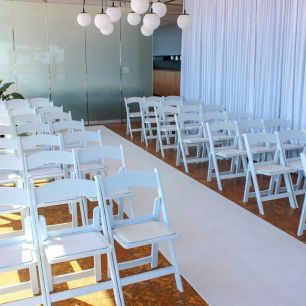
[248, 55]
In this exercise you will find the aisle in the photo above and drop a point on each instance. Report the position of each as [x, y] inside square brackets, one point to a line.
[230, 256]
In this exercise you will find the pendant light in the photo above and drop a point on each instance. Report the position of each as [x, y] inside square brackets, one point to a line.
[83, 18]
[159, 8]
[133, 18]
[107, 31]
[184, 21]
[140, 6]
[102, 21]
[145, 31]
[151, 20]
[114, 13]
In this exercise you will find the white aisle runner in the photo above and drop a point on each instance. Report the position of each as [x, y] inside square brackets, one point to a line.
[230, 256]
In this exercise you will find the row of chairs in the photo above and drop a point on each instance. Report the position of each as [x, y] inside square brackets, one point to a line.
[253, 147]
[70, 157]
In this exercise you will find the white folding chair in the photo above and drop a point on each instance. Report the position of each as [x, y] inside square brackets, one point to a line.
[230, 151]
[56, 116]
[67, 126]
[213, 108]
[20, 252]
[175, 101]
[302, 223]
[272, 169]
[273, 125]
[64, 245]
[166, 128]
[22, 111]
[33, 128]
[293, 142]
[150, 229]
[148, 119]
[104, 161]
[81, 139]
[40, 102]
[50, 165]
[133, 112]
[191, 133]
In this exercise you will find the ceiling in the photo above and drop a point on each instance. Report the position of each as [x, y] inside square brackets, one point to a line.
[174, 7]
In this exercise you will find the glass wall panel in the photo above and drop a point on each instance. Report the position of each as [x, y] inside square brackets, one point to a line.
[137, 60]
[67, 59]
[103, 71]
[7, 64]
[31, 48]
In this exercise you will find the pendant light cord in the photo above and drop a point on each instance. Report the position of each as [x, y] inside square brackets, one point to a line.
[83, 6]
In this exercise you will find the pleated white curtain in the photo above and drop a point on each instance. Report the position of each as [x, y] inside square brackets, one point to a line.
[249, 55]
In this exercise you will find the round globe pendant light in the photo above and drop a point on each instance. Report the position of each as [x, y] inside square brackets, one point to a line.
[83, 19]
[140, 6]
[114, 13]
[151, 21]
[102, 21]
[159, 8]
[133, 19]
[107, 31]
[145, 31]
[184, 21]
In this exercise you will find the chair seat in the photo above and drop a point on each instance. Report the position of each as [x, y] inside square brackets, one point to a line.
[9, 208]
[89, 167]
[194, 139]
[227, 152]
[58, 248]
[46, 172]
[272, 169]
[295, 163]
[138, 233]
[17, 254]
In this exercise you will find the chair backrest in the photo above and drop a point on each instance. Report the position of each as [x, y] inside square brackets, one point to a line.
[226, 126]
[232, 116]
[40, 142]
[25, 118]
[44, 158]
[16, 103]
[11, 163]
[7, 131]
[250, 126]
[101, 154]
[171, 101]
[259, 138]
[172, 98]
[40, 102]
[33, 128]
[273, 125]
[5, 120]
[191, 102]
[56, 116]
[191, 108]
[22, 111]
[135, 179]
[213, 108]
[14, 196]
[82, 139]
[153, 99]
[9, 146]
[67, 126]
[50, 109]
[214, 116]
[133, 105]
[292, 136]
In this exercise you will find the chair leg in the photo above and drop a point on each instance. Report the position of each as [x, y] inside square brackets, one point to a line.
[154, 255]
[34, 279]
[247, 187]
[74, 214]
[257, 193]
[131, 207]
[49, 279]
[98, 268]
[114, 274]
[177, 273]
[218, 176]
[302, 219]
[130, 127]
[289, 187]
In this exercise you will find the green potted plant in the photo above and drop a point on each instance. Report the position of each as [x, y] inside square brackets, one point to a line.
[8, 96]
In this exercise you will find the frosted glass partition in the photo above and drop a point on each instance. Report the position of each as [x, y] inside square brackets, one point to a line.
[45, 51]
[67, 59]
[137, 64]
[103, 71]
[31, 48]
[7, 63]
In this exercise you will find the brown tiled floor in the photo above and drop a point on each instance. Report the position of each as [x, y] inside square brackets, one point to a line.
[277, 212]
